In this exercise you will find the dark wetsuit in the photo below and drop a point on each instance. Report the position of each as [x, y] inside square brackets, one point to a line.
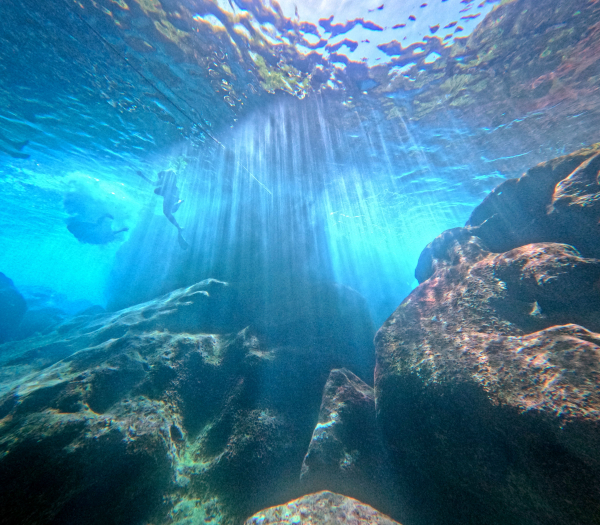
[98, 232]
[166, 187]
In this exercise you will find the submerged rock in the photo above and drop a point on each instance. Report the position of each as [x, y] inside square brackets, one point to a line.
[92, 310]
[38, 297]
[39, 321]
[346, 453]
[487, 374]
[12, 308]
[556, 201]
[172, 411]
[487, 389]
[323, 507]
[325, 315]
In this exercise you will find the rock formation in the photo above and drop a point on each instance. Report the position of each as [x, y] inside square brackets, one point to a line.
[323, 508]
[487, 374]
[202, 406]
[39, 321]
[12, 308]
[182, 409]
[346, 453]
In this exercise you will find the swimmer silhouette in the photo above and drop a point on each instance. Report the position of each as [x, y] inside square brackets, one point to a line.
[166, 187]
[98, 232]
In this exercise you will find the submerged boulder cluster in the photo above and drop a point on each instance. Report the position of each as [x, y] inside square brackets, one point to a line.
[206, 406]
[488, 374]
[197, 407]
[35, 310]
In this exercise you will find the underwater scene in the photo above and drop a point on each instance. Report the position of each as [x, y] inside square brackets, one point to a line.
[300, 261]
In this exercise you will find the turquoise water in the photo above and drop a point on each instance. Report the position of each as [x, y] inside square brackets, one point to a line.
[209, 207]
[304, 147]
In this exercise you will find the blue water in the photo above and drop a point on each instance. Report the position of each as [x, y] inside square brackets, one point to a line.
[296, 158]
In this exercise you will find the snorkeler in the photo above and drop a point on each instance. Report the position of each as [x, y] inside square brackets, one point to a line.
[98, 232]
[166, 187]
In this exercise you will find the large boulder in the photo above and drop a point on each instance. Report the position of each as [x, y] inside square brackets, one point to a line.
[556, 201]
[172, 411]
[323, 508]
[12, 308]
[323, 315]
[346, 453]
[487, 389]
[46, 309]
[487, 374]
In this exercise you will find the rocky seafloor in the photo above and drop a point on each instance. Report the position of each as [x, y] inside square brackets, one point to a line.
[203, 406]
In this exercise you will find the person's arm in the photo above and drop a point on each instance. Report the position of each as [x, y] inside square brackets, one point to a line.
[154, 183]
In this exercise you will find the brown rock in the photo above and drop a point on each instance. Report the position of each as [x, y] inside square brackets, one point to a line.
[487, 387]
[549, 203]
[323, 508]
[556, 201]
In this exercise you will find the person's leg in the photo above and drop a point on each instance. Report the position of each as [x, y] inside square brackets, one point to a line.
[172, 219]
[176, 206]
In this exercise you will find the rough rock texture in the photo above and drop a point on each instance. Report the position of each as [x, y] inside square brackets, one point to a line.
[322, 508]
[12, 308]
[346, 453]
[556, 201]
[487, 374]
[168, 412]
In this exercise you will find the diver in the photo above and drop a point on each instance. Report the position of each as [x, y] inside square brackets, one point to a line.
[166, 187]
[98, 232]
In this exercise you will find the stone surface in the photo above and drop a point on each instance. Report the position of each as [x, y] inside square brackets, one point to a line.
[346, 453]
[556, 201]
[172, 411]
[12, 308]
[487, 374]
[39, 321]
[487, 386]
[448, 249]
[38, 297]
[322, 508]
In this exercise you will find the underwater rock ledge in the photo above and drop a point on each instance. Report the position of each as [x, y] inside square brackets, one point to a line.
[172, 411]
[487, 374]
[555, 201]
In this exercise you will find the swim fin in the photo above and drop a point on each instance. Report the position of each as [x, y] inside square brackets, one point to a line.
[182, 242]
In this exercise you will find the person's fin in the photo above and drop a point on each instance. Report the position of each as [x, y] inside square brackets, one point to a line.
[182, 242]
